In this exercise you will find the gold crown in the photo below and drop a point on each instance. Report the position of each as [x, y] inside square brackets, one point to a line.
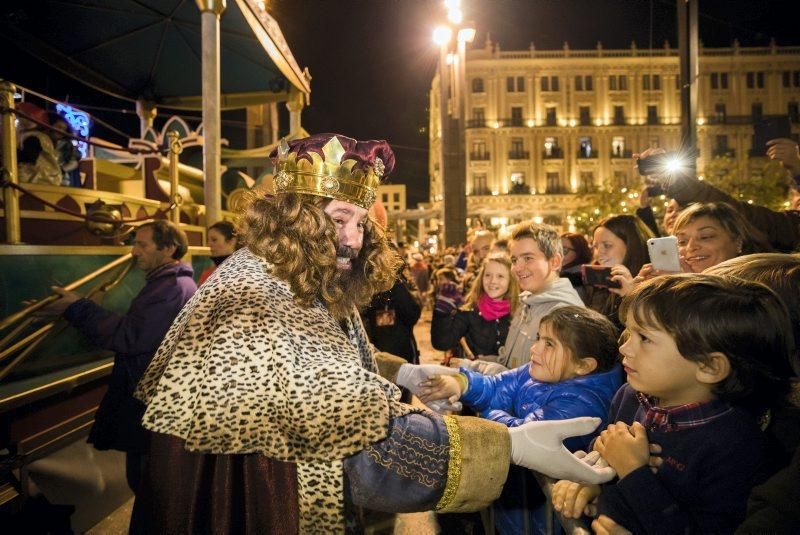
[327, 175]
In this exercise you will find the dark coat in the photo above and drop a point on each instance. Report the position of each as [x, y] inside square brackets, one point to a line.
[134, 337]
[397, 339]
[483, 337]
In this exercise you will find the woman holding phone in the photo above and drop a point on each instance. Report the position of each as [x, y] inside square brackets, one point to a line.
[620, 248]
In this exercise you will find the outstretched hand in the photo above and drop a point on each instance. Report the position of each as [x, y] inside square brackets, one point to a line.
[411, 376]
[539, 446]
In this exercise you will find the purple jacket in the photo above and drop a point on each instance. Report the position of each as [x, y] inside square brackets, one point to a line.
[134, 337]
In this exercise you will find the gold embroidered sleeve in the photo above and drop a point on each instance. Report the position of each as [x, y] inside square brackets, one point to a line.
[480, 453]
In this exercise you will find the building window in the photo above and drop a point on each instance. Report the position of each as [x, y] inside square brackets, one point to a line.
[516, 116]
[652, 114]
[720, 112]
[554, 83]
[583, 83]
[796, 78]
[479, 151]
[515, 85]
[755, 80]
[618, 147]
[579, 83]
[585, 147]
[618, 82]
[646, 82]
[479, 186]
[479, 115]
[550, 147]
[396, 197]
[794, 112]
[586, 181]
[657, 82]
[619, 115]
[544, 83]
[757, 111]
[621, 179]
[588, 83]
[723, 80]
[385, 198]
[518, 186]
[551, 116]
[517, 151]
[553, 182]
[477, 85]
[787, 78]
[719, 80]
[585, 115]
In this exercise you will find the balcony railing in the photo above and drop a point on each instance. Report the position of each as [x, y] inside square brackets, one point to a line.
[553, 153]
[519, 155]
[586, 154]
[720, 152]
[513, 121]
[730, 119]
[476, 123]
[481, 191]
[557, 189]
[622, 154]
[479, 156]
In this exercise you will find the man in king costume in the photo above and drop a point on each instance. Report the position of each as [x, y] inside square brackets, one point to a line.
[270, 410]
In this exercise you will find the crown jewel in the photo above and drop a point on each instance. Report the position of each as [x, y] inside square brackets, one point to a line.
[327, 175]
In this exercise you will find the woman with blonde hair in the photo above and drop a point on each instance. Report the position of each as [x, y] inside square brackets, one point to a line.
[484, 318]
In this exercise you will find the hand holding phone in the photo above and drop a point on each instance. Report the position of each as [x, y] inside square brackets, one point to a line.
[600, 276]
[664, 253]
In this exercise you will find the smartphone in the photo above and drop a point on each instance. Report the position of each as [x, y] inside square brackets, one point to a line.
[769, 128]
[600, 276]
[654, 190]
[664, 253]
[652, 165]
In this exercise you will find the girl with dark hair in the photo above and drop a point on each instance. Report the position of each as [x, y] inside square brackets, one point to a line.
[223, 242]
[572, 372]
[620, 242]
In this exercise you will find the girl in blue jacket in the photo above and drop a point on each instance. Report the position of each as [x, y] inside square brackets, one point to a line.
[573, 372]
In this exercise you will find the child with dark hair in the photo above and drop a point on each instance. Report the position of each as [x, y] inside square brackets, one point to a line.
[705, 357]
[572, 372]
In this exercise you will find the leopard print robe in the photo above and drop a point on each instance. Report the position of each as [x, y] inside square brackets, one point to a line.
[244, 369]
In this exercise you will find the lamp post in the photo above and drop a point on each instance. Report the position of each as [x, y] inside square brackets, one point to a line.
[452, 161]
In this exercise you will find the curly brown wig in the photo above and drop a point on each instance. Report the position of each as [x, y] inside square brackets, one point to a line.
[295, 235]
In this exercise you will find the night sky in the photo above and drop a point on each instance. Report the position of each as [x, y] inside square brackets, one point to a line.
[372, 61]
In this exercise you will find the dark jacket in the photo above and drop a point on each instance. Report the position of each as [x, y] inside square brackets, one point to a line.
[703, 483]
[134, 337]
[483, 337]
[400, 308]
[513, 398]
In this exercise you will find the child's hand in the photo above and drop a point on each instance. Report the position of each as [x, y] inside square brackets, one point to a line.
[625, 448]
[440, 387]
[606, 526]
[655, 458]
[572, 499]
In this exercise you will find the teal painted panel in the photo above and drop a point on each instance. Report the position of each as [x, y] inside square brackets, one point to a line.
[24, 277]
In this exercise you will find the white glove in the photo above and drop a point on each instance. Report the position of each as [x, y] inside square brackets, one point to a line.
[411, 375]
[539, 446]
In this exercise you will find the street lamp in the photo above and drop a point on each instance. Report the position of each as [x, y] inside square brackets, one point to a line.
[452, 161]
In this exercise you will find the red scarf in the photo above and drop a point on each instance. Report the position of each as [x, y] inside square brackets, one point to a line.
[492, 309]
